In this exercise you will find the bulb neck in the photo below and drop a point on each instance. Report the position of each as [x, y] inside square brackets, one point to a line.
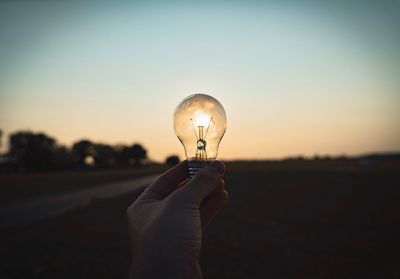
[196, 165]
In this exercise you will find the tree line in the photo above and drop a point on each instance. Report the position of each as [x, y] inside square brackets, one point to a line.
[38, 151]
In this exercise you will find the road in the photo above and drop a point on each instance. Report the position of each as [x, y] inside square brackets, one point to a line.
[27, 212]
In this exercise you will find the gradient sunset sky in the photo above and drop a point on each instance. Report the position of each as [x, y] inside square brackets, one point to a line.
[295, 77]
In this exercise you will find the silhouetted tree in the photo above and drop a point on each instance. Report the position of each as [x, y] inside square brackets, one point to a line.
[172, 160]
[120, 155]
[134, 154]
[83, 149]
[32, 151]
[63, 159]
[138, 153]
[105, 155]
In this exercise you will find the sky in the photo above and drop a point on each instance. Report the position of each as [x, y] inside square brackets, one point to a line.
[296, 78]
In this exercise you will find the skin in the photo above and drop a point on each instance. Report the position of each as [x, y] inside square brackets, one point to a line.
[167, 221]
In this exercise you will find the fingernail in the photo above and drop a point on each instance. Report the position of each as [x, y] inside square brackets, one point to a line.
[218, 166]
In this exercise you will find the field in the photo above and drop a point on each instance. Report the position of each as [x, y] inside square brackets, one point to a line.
[283, 220]
[20, 186]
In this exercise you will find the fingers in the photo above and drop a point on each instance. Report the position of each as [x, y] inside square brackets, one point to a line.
[212, 206]
[202, 184]
[219, 188]
[167, 182]
[219, 166]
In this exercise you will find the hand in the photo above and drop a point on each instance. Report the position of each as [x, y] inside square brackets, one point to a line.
[166, 222]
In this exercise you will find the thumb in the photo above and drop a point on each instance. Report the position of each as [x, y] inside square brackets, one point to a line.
[202, 184]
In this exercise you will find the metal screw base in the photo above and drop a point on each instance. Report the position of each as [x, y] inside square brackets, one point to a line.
[196, 165]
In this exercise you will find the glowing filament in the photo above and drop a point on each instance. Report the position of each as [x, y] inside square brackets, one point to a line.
[201, 120]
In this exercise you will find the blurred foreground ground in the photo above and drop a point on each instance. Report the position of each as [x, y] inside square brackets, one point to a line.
[303, 220]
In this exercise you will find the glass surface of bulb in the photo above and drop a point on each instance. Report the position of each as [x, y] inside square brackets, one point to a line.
[200, 124]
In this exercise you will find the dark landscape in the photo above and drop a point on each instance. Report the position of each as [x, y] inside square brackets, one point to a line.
[300, 99]
[287, 219]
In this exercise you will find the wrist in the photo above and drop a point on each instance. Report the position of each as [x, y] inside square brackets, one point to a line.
[151, 269]
[164, 265]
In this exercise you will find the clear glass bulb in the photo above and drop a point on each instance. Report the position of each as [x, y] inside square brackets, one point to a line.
[200, 124]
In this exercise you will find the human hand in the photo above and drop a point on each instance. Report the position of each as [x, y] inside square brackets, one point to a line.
[166, 222]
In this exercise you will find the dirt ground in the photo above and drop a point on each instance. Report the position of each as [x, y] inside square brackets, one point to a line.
[282, 222]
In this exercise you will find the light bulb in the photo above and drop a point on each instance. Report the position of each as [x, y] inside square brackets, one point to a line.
[200, 124]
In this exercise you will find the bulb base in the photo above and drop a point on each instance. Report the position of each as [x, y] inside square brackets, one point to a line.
[196, 165]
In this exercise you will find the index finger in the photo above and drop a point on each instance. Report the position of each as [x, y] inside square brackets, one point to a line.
[166, 183]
